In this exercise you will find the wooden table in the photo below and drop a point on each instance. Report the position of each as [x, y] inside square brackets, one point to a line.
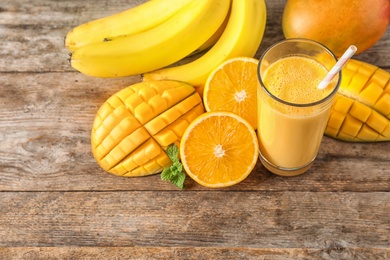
[57, 203]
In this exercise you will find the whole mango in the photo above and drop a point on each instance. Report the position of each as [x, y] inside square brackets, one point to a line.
[337, 23]
[133, 128]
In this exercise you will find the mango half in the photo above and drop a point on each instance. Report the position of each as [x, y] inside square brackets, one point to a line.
[133, 128]
[361, 110]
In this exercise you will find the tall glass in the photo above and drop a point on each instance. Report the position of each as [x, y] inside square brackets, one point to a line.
[292, 110]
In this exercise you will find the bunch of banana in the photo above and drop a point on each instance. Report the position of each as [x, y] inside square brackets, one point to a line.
[118, 51]
[134, 20]
[241, 37]
[156, 34]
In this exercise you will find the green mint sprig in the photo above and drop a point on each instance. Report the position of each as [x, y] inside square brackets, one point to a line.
[174, 173]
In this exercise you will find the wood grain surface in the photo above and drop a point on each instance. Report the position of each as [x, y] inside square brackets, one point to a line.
[57, 203]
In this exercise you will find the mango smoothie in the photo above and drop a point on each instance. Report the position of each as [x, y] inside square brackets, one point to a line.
[293, 113]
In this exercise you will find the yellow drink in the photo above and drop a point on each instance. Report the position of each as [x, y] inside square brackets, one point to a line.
[293, 113]
[295, 79]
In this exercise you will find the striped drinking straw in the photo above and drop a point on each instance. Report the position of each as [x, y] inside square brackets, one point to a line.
[337, 67]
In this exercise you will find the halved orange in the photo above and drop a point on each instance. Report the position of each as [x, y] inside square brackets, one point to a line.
[232, 86]
[219, 149]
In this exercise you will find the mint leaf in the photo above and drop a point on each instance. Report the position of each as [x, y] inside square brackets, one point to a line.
[173, 152]
[174, 173]
[179, 179]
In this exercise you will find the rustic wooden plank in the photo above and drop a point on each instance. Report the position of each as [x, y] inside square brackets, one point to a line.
[56, 203]
[66, 13]
[32, 49]
[33, 33]
[188, 253]
[196, 219]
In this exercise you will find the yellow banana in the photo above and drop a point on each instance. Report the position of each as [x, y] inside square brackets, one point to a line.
[163, 45]
[242, 37]
[214, 38]
[134, 20]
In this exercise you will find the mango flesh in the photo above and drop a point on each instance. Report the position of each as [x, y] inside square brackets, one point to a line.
[337, 23]
[361, 109]
[133, 128]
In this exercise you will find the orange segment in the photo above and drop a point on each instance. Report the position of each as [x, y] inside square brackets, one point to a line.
[219, 149]
[232, 87]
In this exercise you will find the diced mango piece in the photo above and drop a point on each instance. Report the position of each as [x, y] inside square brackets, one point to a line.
[336, 119]
[361, 109]
[156, 165]
[385, 134]
[144, 113]
[330, 131]
[346, 137]
[119, 170]
[371, 94]
[380, 77]
[161, 121]
[174, 131]
[142, 155]
[143, 105]
[170, 115]
[367, 133]
[147, 93]
[125, 147]
[126, 127]
[387, 88]
[351, 126]
[383, 105]
[134, 126]
[347, 75]
[354, 65]
[105, 111]
[377, 122]
[103, 129]
[357, 83]
[121, 95]
[367, 69]
[342, 104]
